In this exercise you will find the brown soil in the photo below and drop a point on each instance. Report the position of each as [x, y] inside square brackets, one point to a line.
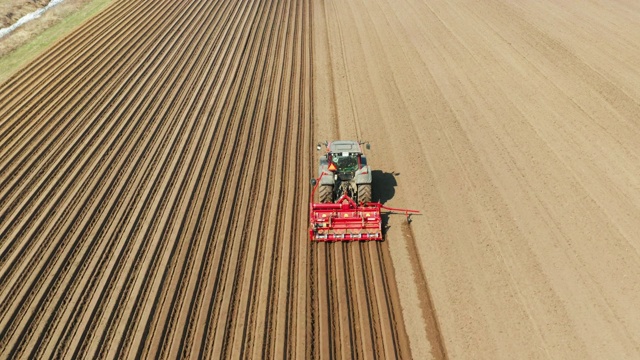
[514, 127]
[155, 166]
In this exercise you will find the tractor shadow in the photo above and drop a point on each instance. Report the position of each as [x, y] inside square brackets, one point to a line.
[384, 184]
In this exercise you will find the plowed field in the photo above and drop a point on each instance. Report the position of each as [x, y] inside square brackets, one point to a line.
[155, 166]
[155, 171]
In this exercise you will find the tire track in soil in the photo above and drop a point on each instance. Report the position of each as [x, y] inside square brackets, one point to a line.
[429, 314]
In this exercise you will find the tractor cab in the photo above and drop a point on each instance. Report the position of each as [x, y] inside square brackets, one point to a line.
[344, 164]
[345, 157]
[345, 161]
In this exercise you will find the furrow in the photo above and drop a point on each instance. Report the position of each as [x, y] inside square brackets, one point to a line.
[68, 255]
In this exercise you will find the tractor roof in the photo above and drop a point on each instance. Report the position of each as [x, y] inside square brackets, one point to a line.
[344, 146]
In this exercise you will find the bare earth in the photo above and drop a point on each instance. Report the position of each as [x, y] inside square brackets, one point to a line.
[515, 127]
[154, 173]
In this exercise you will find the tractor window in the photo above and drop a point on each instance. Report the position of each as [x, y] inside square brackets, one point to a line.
[345, 163]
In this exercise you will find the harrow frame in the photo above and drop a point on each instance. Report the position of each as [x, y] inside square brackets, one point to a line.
[344, 220]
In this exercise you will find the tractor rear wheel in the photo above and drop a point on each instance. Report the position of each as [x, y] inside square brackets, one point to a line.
[364, 193]
[325, 192]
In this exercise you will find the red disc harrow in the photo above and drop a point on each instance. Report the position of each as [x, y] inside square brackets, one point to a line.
[344, 220]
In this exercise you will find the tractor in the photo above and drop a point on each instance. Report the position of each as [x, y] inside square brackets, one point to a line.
[345, 211]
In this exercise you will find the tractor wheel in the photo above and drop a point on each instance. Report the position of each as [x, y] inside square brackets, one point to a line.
[364, 193]
[325, 192]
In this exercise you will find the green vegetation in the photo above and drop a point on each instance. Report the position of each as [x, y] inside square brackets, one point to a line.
[32, 48]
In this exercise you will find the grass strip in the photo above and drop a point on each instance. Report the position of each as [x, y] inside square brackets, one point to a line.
[14, 60]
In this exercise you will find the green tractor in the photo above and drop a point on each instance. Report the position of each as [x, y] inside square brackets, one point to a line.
[344, 170]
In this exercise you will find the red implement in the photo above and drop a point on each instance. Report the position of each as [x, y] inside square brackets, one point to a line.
[345, 220]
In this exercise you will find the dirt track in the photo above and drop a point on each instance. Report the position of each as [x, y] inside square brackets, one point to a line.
[154, 176]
